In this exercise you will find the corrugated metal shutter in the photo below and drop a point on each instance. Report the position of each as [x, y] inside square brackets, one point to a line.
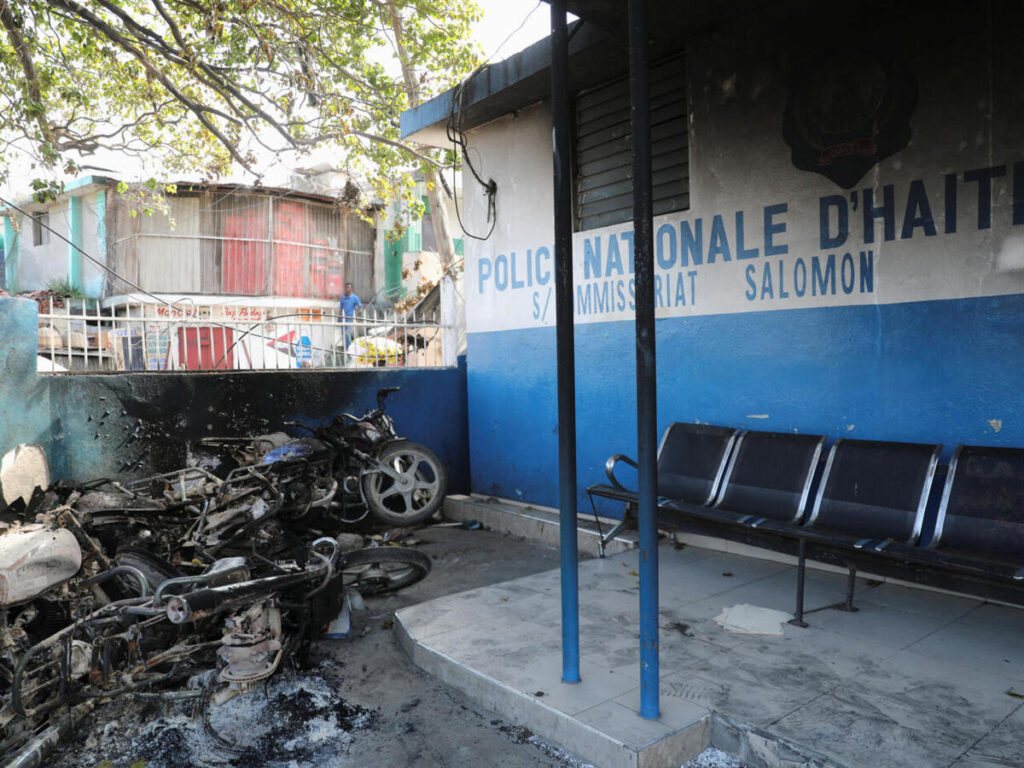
[603, 148]
[168, 257]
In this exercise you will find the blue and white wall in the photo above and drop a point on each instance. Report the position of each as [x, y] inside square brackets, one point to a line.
[891, 310]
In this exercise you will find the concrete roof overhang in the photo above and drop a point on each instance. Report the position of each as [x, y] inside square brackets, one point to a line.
[598, 52]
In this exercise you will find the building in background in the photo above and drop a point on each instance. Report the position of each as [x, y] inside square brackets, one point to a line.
[839, 230]
[206, 269]
[411, 262]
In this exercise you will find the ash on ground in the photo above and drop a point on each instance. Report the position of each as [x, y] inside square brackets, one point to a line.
[713, 758]
[523, 735]
[295, 721]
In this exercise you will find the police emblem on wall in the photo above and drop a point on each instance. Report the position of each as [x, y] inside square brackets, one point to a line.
[847, 110]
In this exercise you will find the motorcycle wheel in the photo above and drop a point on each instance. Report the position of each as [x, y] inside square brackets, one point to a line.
[383, 569]
[416, 495]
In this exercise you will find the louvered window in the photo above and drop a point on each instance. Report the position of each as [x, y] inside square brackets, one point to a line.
[603, 148]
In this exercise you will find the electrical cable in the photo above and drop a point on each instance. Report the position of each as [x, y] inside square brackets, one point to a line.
[453, 130]
[455, 134]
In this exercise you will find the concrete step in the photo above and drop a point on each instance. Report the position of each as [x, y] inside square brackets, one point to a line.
[529, 521]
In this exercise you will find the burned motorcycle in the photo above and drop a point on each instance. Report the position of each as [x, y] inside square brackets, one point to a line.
[136, 587]
[352, 466]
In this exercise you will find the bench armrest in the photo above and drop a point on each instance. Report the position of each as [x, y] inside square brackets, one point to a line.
[609, 468]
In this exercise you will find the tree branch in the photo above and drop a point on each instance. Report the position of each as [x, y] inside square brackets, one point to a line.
[201, 111]
[32, 87]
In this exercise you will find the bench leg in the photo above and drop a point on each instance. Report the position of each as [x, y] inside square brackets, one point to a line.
[604, 538]
[851, 583]
[627, 522]
[801, 573]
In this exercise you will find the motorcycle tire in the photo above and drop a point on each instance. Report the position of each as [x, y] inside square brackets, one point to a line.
[417, 496]
[383, 569]
[156, 571]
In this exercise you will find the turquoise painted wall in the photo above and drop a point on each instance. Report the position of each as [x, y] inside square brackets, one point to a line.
[10, 254]
[75, 246]
[24, 397]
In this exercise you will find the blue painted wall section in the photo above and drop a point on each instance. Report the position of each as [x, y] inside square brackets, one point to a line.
[943, 371]
[136, 424]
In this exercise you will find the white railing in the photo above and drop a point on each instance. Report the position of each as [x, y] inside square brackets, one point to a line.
[77, 336]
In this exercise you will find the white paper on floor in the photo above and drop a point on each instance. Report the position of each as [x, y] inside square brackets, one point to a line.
[749, 619]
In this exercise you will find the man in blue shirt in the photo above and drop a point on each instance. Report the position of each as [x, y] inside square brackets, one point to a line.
[349, 304]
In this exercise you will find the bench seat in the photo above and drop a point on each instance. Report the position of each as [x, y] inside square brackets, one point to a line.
[869, 509]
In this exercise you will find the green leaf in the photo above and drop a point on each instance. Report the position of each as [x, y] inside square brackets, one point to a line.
[293, 71]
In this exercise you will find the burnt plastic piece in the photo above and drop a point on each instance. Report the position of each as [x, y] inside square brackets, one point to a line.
[769, 476]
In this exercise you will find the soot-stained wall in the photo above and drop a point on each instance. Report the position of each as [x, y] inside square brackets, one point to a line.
[130, 425]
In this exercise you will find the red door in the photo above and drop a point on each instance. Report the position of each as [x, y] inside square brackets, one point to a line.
[289, 253]
[244, 263]
[203, 348]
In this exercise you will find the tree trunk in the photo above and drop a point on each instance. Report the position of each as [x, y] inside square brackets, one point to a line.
[438, 207]
[439, 217]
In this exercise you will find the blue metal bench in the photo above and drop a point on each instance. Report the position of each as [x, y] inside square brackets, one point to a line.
[979, 529]
[692, 459]
[869, 510]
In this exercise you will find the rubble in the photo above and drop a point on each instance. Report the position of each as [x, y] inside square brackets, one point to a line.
[299, 720]
[183, 587]
[201, 584]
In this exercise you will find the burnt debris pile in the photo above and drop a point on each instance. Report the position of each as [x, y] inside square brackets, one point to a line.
[182, 585]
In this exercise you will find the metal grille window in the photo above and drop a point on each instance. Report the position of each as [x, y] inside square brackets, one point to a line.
[40, 229]
[603, 148]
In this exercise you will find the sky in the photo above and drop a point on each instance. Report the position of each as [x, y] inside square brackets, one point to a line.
[501, 17]
[507, 26]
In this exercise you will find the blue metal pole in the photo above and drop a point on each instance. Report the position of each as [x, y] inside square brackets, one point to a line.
[561, 123]
[646, 370]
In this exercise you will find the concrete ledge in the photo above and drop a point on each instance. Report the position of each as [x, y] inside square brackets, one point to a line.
[638, 744]
[532, 522]
[757, 749]
[609, 737]
[804, 698]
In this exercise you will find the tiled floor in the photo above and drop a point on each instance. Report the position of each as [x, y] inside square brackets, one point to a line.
[913, 679]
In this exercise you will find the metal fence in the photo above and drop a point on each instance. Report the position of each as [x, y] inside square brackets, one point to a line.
[83, 337]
